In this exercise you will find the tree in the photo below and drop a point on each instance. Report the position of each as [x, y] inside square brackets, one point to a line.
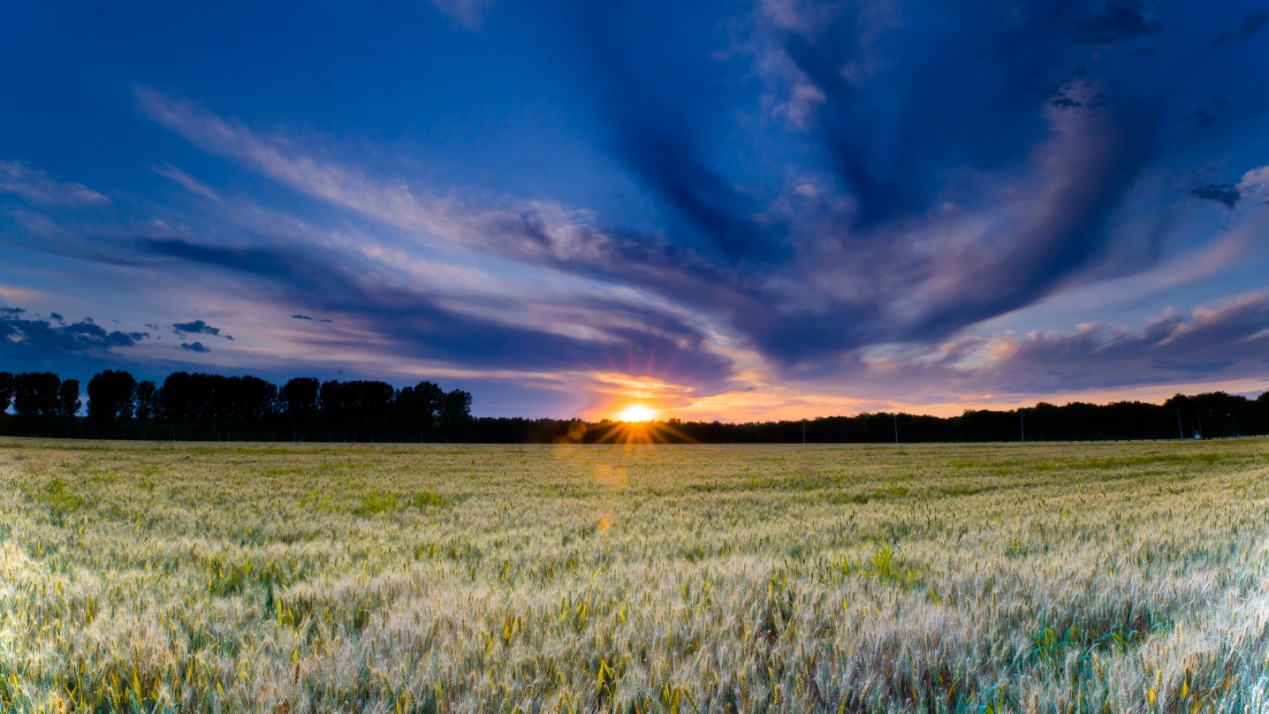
[68, 398]
[147, 400]
[258, 399]
[455, 409]
[6, 391]
[299, 397]
[418, 406]
[111, 395]
[36, 394]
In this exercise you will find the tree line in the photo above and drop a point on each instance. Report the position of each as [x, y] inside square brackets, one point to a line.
[213, 407]
[1212, 415]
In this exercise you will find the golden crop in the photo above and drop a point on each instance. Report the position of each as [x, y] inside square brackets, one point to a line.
[939, 578]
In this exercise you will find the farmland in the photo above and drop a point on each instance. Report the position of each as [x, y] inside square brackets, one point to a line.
[934, 578]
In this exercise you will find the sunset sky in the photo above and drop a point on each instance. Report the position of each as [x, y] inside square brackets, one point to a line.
[718, 209]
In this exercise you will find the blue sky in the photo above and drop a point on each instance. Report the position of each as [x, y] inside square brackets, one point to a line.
[721, 209]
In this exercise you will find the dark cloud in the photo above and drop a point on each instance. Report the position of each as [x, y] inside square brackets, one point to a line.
[33, 339]
[306, 317]
[1251, 24]
[1226, 193]
[1195, 367]
[1119, 20]
[658, 126]
[195, 347]
[1204, 118]
[985, 81]
[625, 337]
[197, 327]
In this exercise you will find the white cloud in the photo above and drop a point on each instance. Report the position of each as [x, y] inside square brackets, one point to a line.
[468, 13]
[528, 230]
[37, 187]
[186, 181]
[1255, 183]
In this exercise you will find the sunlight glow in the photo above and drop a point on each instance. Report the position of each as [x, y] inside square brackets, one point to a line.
[636, 413]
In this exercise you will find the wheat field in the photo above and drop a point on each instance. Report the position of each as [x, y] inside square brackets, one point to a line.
[932, 578]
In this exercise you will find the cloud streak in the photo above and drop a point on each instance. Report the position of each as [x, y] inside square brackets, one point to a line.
[1223, 340]
[37, 187]
[468, 13]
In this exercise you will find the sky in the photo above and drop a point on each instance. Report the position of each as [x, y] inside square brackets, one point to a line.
[723, 209]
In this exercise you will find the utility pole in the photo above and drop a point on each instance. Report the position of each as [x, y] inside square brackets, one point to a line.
[1179, 428]
[1022, 419]
[896, 428]
[803, 431]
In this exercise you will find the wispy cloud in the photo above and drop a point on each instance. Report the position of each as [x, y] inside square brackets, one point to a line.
[39, 188]
[1225, 339]
[186, 181]
[903, 271]
[531, 229]
[468, 13]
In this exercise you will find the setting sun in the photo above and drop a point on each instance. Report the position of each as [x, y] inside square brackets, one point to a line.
[636, 413]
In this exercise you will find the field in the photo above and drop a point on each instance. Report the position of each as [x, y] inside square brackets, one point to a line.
[935, 578]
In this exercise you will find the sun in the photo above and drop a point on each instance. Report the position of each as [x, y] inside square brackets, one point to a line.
[636, 413]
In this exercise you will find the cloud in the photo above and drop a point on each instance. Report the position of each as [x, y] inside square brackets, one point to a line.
[468, 13]
[27, 338]
[1255, 183]
[195, 347]
[1250, 25]
[301, 317]
[1058, 228]
[37, 187]
[197, 327]
[962, 169]
[396, 204]
[1225, 193]
[186, 181]
[1226, 338]
[488, 333]
[1120, 20]
[1195, 367]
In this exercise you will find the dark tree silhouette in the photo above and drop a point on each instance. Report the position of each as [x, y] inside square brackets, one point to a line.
[6, 391]
[37, 394]
[419, 406]
[111, 395]
[177, 399]
[68, 398]
[208, 406]
[147, 400]
[455, 412]
[299, 397]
